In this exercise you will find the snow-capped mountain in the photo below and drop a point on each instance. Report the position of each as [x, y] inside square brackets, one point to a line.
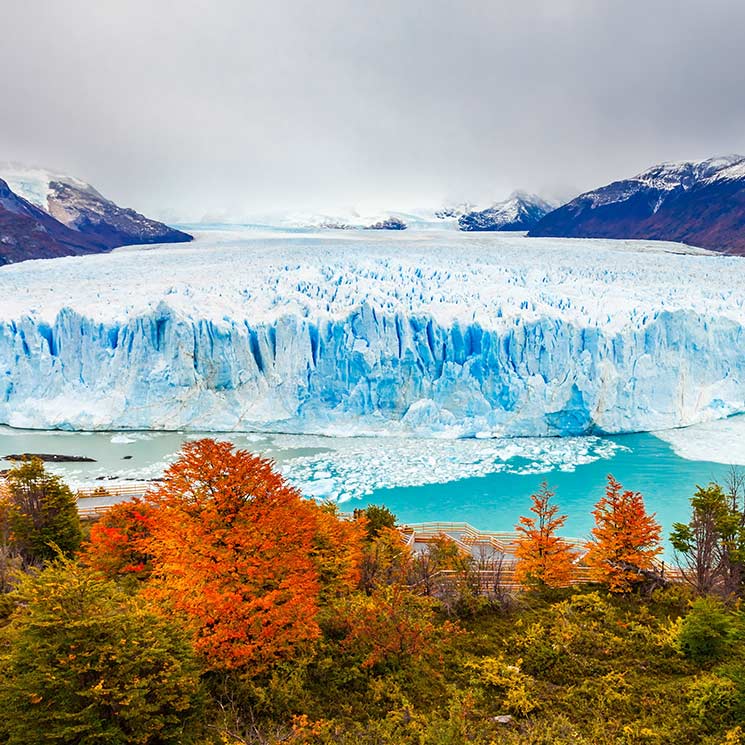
[521, 211]
[701, 203]
[75, 205]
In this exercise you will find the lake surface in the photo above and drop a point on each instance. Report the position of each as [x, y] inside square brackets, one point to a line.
[484, 482]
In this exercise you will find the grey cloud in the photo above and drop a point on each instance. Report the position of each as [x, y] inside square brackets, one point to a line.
[247, 106]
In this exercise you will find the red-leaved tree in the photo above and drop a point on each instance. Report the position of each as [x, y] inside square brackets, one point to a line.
[544, 559]
[625, 539]
[233, 551]
[119, 542]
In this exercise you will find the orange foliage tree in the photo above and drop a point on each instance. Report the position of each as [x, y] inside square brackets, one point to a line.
[337, 551]
[544, 559]
[393, 627]
[119, 541]
[233, 550]
[625, 539]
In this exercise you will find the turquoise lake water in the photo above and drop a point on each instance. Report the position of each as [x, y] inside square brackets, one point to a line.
[496, 501]
[423, 480]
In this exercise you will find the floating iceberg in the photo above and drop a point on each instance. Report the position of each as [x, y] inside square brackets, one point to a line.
[436, 334]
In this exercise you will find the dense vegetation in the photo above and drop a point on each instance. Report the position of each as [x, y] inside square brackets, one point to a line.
[225, 608]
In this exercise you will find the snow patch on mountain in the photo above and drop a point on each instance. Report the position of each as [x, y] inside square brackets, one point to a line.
[79, 207]
[35, 184]
[521, 211]
[667, 178]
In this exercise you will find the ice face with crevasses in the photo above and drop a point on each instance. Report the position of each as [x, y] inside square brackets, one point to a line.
[430, 333]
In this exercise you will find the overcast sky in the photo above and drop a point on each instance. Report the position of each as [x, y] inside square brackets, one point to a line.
[187, 108]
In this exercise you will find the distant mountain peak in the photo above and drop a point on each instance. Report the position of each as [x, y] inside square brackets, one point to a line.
[33, 183]
[520, 211]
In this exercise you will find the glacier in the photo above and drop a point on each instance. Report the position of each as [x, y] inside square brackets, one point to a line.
[433, 333]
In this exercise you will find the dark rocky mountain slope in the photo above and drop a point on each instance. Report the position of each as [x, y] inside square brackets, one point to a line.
[701, 203]
[27, 232]
[47, 215]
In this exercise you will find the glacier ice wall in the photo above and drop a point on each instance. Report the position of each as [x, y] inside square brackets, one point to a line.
[338, 344]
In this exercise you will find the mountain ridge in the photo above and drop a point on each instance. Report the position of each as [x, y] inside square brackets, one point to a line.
[701, 203]
[520, 211]
[44, 215]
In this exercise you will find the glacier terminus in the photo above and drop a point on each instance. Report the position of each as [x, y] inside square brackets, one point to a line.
[431, 333]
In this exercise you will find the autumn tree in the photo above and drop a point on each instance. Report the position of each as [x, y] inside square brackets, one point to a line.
[44, 517]
[337, 551]
[544, 559]
[119, 541]
[84, 663]
[233, 551]
[392, 627]
[386, 560]
[625, 540]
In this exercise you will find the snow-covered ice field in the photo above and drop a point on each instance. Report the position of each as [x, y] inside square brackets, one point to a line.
[352, 332]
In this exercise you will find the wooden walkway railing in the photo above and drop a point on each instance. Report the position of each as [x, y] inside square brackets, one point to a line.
[127, 490]
[466, 536]
[502, 544]
[90, 506]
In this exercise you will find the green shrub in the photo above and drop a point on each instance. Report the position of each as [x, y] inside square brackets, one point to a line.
[706, 632]
[83, 663]
[540, 649]
[516, 688]
[712, 701]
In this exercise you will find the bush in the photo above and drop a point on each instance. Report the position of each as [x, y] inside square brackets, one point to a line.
[705, 633]
[83, 663]
[541, 650]
[712, 701]
[517, 689]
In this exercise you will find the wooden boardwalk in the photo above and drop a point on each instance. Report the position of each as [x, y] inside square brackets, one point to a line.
[493, 553]
[470, 539]
[93, 501]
